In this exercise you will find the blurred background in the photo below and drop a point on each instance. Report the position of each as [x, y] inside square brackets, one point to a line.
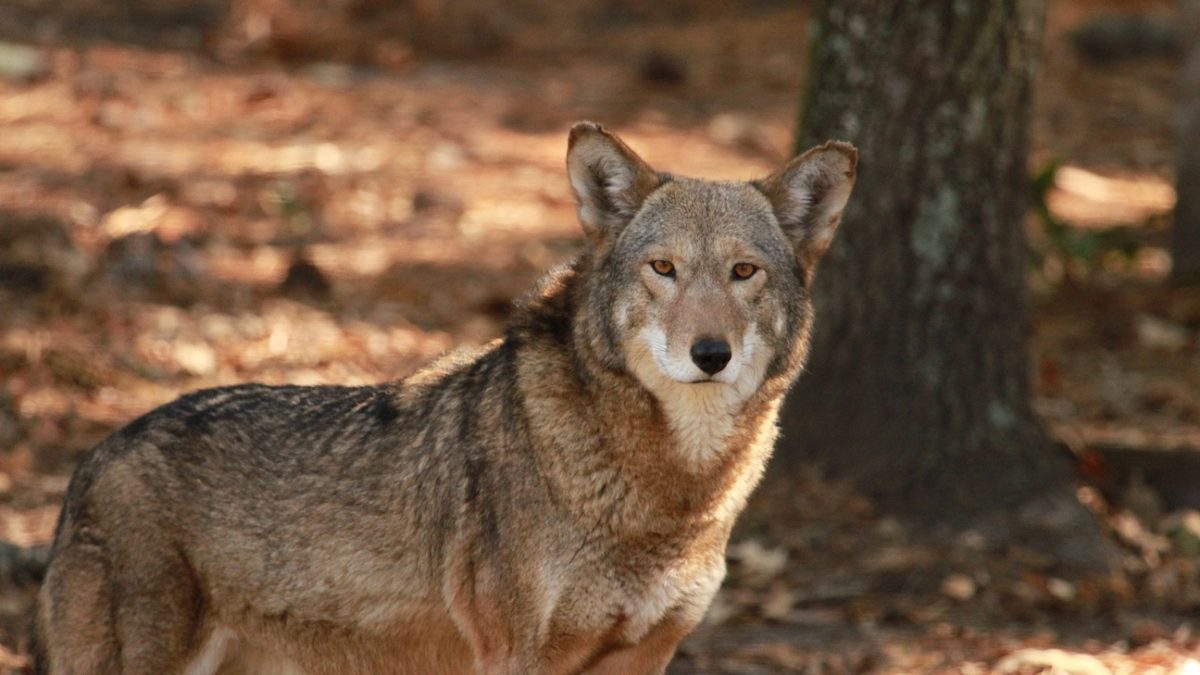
[201, 193]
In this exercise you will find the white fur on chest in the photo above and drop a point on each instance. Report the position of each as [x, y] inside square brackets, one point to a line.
[684, 592]
[701, 418]
[641, 598]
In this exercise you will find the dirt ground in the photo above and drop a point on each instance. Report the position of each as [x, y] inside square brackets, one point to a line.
[187, 201]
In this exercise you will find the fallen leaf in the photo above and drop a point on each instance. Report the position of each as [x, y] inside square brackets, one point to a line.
[758, 564]
[959, 587]
[1057, 660]
[778, 603]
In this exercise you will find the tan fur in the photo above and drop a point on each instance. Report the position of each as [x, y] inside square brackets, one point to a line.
[557, 502]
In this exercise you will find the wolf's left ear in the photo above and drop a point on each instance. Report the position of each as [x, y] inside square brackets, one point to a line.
[808, 196]
[609, 180]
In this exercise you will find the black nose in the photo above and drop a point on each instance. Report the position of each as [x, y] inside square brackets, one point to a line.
[711, 355]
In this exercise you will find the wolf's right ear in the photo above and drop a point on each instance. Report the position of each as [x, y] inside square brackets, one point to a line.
[609, 180]
[809, 194]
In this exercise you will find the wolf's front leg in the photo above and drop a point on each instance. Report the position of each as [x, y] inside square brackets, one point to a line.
[490, 616]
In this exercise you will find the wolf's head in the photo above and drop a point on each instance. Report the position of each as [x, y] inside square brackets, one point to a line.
[700, 286]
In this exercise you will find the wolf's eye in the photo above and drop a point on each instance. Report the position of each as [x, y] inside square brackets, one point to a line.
[663, 267]
[744, 271]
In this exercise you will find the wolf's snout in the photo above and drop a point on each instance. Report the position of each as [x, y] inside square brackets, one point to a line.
[711, 355]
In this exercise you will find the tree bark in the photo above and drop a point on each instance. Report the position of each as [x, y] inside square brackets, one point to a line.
[917, 386]
[1185, 233]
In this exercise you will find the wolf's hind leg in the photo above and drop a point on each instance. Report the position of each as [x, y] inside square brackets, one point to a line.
[107, 610]
[159, 607]
[75, 633]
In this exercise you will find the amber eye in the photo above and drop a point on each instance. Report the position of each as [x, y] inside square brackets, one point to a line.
[744, 270]
[663, 267]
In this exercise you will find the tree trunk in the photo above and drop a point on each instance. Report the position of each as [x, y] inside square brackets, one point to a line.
[1185, 233]
[918, 382]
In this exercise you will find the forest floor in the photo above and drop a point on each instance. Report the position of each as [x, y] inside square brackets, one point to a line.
[183, 207]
